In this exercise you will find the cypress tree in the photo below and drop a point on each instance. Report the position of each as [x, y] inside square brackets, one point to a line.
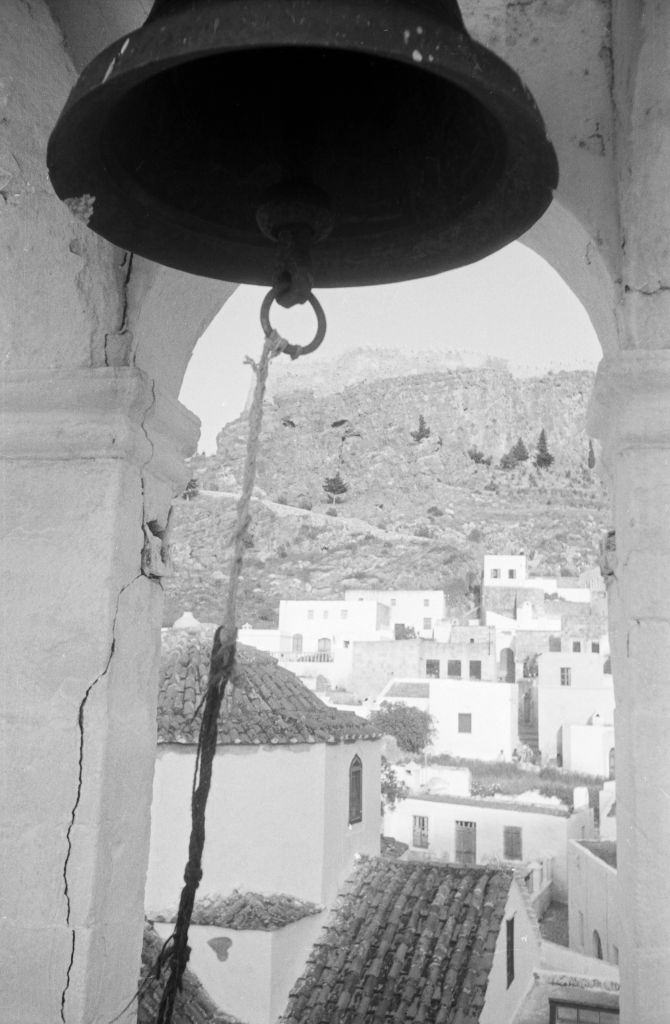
[543, 458]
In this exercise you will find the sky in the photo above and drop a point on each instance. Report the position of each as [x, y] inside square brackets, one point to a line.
[512, 305]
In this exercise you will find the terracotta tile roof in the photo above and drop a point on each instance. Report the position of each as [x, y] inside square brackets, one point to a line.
[265, 704]
[192, 1006]
[250, 911]
[410, 941]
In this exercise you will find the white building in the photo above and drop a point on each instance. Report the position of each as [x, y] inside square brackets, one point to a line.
[593, 916]
[574, 689]
[474, 830]
[589, 748]
[511, 571]
[417, 610]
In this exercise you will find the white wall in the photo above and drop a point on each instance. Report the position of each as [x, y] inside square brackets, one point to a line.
[503, 565]
[543, 833]
[271, 640]
[593, 894]
[502, 1002]
[561, 706]
[586, 748]
[339, 621]
[607, 802]
[411, 607]
[494, 711]
[586, 669]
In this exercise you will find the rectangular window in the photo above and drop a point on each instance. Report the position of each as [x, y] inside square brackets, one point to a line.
[453, 669]
[432, 668]
[355, 790]
[495, 574]
[511, 574]
[512, 843]
[344, 613]
[325, 614]
[426, 602]
[465, 844]
[310, 613]
[475, 670]
[465, 722]
[554, 643]
[393, 602]
[577, 646]
[509, 946]
[575, 1013]
[420, 831]
[581, 929]
[595, 647]
[427, 623]
[566, 676]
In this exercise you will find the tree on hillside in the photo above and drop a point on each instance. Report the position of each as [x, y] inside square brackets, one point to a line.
[422, 431]
[519, 451]
[334, 486]
[411, 727]
[592, 456]
[393, 789]
[477, 456]
[543, 459]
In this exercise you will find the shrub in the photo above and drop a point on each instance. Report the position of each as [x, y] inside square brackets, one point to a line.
[435, 511]
[421, 432]
[306, 504]
[543, 459]
[191, 490]
[334, 486]
[411, 727]
[331, 511]
[477, 456]
[475, 536]
[422, 531]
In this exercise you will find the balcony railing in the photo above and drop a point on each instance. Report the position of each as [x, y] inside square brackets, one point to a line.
[305, 656]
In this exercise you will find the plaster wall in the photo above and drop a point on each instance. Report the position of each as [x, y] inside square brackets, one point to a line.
[339, 621]
[561, 706]
[502, 1002]
[494, 723]
[586, 670]
[271, 640]
[545, 833]
[265, 822]
[410, 607]
[592, 887]
[586, 748]
[607, 804]
[341, 841]
[374, 664]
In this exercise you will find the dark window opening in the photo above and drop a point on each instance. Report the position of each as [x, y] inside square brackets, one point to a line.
[512, 843]
[554, 643]
[465, 851]
[432, 668]
[454, 669]
[475, 670]
[509, 941]
[355, 791]
[595, 647]
[465, 723]
[577, 646]
[578, 1013]
[566, 676]
[511, 574]
[420, 831]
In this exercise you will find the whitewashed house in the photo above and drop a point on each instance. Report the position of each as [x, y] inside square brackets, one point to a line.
[593, 913]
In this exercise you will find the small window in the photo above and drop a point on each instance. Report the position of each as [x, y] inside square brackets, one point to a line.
[296, 643]
[346, 643]
[509, 945]
[577, 646]
[344, 613]
[465, 722]
[324, 645]
[575, 1013]
[355, 791]
[420, 831]
[310, 613]
[555, 643]
[453, 669]
[393, 602]
[465, 842]
[325, 614]
[475, 669]
[566, 676]
[512, 843]
[427, 623]
[597, 946]
[432, 668]
[426, 602]
[511, 574]
[615, 954]
[495, 574]
[595, 647]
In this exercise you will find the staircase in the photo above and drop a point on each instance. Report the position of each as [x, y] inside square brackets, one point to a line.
[528, 735]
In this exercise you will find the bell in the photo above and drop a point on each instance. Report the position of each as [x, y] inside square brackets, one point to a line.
[374, 136]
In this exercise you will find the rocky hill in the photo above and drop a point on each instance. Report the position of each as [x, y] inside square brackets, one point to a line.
[416, 512]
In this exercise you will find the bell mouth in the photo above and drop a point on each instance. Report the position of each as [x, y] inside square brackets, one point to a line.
[423, 168]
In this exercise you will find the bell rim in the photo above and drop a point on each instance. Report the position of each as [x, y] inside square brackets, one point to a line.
[462, 61]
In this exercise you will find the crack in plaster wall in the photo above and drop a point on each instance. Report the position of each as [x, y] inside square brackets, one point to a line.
[80, 782]
[117, 342]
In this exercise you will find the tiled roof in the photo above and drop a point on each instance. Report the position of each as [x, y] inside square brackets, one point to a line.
[410, 941]
[263, 704]
[192, 1005]
[251, 911]
[605, 849]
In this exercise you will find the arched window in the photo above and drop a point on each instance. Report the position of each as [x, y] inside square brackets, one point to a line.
[597, 946]
[355, 790]
[297, 643]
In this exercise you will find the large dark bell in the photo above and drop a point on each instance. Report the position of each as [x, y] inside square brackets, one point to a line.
[382, 117]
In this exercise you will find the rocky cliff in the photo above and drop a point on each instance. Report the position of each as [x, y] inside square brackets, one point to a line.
[419, 511]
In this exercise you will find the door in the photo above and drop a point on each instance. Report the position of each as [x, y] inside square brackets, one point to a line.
[465, 846]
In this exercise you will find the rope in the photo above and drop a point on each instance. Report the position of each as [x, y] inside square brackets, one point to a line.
[175, 952]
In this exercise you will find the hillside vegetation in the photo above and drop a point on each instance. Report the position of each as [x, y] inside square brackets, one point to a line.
[424, 498]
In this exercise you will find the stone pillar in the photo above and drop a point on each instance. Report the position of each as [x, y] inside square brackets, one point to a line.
[631, 416]
[89, 457]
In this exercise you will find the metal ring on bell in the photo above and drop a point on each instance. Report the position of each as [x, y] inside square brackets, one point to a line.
[295, 350]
